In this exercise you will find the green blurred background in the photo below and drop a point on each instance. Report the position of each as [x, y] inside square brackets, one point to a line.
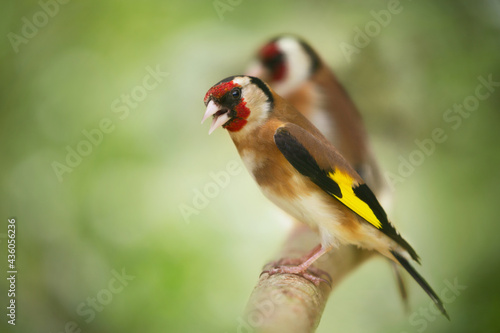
[119, 209]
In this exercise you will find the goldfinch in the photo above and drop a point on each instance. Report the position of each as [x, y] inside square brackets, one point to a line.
[296, 72]
[300, 171]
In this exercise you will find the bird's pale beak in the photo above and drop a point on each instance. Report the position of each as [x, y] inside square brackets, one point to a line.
[221, 115]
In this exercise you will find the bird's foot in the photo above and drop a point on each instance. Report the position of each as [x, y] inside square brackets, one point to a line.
[285, 262]
[312, 274]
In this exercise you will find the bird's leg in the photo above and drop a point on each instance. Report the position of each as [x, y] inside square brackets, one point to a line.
[303, 267]
[318, 252]
[294, 261]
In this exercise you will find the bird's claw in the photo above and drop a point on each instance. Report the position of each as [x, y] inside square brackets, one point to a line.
[312, 274]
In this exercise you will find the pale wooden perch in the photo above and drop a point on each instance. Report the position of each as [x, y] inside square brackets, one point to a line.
[290, 303]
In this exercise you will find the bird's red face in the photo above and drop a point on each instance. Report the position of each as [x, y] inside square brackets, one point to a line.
[226, 104]
[273, 60]
[236, 101]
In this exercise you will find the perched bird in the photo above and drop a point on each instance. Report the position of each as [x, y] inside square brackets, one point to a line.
[300, 171]
[297, 73]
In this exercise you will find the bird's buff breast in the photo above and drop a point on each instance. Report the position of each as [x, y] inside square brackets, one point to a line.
[288, 190]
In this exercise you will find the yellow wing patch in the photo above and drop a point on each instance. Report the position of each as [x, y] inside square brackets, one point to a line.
[350, 199]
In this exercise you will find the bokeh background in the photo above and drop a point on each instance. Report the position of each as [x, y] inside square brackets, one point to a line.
[119, 208]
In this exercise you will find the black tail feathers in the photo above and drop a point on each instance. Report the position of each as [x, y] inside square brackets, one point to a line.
[421, 281]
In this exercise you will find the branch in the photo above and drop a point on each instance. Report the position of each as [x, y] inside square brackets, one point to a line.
[290, 303]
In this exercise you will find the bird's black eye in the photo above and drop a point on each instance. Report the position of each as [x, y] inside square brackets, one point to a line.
[236, 93]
